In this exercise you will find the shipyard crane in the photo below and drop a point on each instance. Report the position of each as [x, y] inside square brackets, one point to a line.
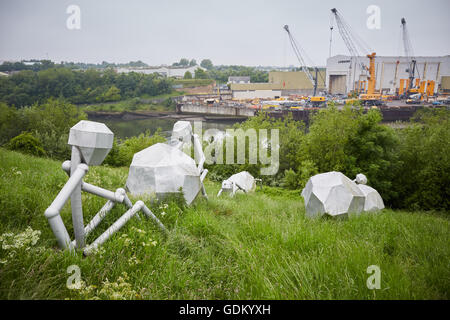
[357, 47]
[411, 88]
[315, 100]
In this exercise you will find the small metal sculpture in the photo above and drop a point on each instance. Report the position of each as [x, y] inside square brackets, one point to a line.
[91, 143]
[240, 181]
[334, 194]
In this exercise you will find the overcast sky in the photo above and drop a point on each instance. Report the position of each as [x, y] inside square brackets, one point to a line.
[246, 32]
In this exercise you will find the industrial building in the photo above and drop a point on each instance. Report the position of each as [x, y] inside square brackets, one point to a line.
[280, 84]
[234, 79]
[343, 73]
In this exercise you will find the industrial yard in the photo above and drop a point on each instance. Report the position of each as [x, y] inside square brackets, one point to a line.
[391, 83]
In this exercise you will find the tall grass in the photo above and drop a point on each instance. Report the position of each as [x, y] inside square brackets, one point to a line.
[256, 246]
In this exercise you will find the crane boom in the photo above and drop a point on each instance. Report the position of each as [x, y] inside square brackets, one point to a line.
[408, 54]
[348, 38]
[301, 60]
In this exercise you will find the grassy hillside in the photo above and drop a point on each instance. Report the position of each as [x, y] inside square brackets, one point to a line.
[258, 246]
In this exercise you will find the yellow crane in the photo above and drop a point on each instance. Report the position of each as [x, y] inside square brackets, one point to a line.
[371, 97]
[351, 40]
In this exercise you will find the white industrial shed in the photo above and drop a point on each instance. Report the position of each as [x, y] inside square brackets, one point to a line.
[343, 72]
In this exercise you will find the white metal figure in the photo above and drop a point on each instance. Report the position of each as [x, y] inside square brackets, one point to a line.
[91, 142]
[163, 169]
[240, 181]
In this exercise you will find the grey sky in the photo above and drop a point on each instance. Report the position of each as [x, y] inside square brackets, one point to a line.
[244, 32]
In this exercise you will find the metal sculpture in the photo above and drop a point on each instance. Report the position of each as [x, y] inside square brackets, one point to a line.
[91, 143]
[240, 181]
[332, 193]
[163, 169]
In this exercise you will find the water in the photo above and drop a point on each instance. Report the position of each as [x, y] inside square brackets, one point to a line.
[129, 128]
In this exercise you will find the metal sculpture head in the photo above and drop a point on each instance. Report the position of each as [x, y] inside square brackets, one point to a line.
[93, 139]
[182, 131]
[361, 179]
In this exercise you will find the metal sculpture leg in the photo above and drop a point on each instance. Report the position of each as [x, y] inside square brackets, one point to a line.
[75, 201]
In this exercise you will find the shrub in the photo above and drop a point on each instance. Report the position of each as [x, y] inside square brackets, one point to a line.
[10, 123]
[423, 181]
[122, 152]
[49, 123]
[26, 143]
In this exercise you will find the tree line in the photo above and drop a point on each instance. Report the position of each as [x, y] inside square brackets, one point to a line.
[79, 87]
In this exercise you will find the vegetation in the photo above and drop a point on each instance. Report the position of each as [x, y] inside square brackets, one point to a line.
[44, 130]
[162, 102]
[123, 151]
[49, 123]
[28, 87]
[26, 143]
[221, 73]
[257, 246]
[422, 179]
[207, 64]
[408, 167]
[37, 65]
[187, 75]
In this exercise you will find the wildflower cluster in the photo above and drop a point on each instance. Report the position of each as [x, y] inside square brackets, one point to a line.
[163, 208]
[15, 171]
[14, 242]
[99, 251]
[149, 241]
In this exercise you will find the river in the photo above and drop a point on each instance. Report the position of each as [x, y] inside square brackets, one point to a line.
[129, 128]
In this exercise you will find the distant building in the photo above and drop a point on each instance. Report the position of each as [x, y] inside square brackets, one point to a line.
[31, 63]
[3, 74]
[297, 82]
[280, 84]
[344, 72]
[238, 80]
[245, 91]
[177, 72]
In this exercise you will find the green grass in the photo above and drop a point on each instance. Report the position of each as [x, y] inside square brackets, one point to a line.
[144, 103]
[258, 246]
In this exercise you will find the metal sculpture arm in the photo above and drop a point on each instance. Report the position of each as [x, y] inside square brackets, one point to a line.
[198, 153]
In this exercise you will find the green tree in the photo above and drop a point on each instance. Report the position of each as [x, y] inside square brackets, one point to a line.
[187, 75]
[192, 63]
[207, 64]
[200, 74]
[113, 94]
[422, 181]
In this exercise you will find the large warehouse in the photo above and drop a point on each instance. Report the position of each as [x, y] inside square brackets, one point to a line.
[280, 83]
[344, 73]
